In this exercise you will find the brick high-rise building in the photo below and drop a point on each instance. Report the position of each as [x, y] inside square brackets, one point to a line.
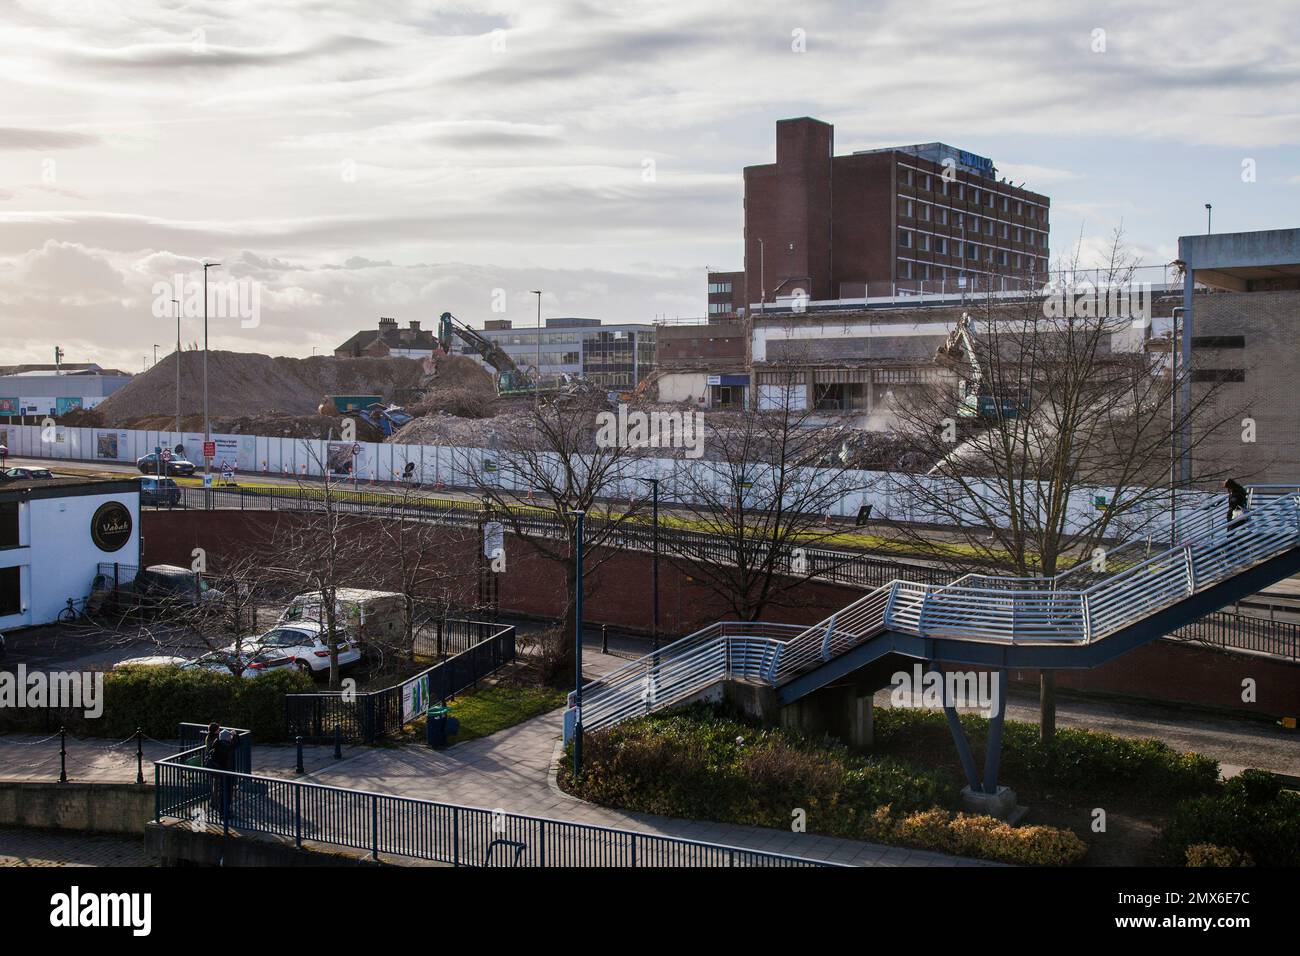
[884, 221]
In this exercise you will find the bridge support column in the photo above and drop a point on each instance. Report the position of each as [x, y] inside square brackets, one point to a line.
[862, 731]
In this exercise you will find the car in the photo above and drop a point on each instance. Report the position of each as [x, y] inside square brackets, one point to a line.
[168, 582]
[305, 644]
[159, 492]
[219, 661]
[148, 465]
[28, 472]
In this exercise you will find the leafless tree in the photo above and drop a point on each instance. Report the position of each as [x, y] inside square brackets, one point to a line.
[761, 497]
[540, 477]
[1056, 396]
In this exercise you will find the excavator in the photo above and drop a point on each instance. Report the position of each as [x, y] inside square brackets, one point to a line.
[975, 399]
[511, 380]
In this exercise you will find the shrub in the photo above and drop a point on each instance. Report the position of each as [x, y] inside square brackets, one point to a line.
[158, 699]
[700, 764]
[1207, 854]
[1082, 761]
[1252, 816]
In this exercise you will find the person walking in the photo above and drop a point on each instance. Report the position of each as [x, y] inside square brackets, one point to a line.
[1238, 498]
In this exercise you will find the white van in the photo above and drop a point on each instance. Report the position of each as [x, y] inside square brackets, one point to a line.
[365, 614]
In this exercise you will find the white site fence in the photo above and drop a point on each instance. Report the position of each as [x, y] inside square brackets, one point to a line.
[465, 467]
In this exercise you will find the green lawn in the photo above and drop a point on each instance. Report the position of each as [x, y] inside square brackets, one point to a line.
[486, 711]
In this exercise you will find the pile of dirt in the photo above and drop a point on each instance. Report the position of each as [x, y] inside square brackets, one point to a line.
[253, 385]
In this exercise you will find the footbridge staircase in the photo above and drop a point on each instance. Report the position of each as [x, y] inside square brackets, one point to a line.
[1080, 618]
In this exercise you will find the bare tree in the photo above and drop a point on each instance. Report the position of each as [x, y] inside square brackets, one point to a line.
[769, 480]
[1052, 398]
[541, 476]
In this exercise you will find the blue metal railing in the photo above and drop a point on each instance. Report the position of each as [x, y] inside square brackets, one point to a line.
[383, 824]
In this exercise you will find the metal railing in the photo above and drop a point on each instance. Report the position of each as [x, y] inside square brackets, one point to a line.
[366, 717]
[972, 608]
[838, 567]
[384, 824]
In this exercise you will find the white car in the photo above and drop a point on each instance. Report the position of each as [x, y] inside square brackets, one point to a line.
[258, 664]
[304, 644]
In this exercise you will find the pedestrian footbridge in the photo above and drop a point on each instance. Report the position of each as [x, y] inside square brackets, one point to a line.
[1080, 618]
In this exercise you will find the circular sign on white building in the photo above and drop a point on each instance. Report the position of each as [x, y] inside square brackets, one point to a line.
[110, 528]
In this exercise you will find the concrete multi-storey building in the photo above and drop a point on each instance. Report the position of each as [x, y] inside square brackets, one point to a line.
[1238, 334]
[705, 364]
[904, 219]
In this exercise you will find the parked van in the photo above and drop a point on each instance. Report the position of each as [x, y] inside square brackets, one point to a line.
[366, 614]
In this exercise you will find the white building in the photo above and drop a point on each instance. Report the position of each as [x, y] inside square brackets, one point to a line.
[54, 534]
[56, 390]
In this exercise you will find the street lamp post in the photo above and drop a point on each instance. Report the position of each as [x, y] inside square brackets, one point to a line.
[654, 567]
[1209, 218]
[577, 650]
[1173, 427]
[537, 386]
[207, 423]
[177, 303]
[762, 279]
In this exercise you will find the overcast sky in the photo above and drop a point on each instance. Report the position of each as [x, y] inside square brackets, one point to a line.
[359, 158]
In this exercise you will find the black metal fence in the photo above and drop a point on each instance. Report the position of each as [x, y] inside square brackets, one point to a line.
[422, 829]
[1240, 632]
[366, 717]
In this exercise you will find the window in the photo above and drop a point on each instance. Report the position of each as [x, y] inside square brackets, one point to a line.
[941, 245]
[1002, 257]
[717, 287]
[1218, 375]
[1019, 234]
[1006, 231]
[1218, 341]
[924, 241]
[925, 182]
[11, 594]
[926, 211]
[975, 196]
[714, 308]
[988, 227]
[905, 238]
[1020, 208]
[905, 208]
[942, 215]
[8, 524]
[1006, 204]
[907, 177]
[972, 251]
[904, 269]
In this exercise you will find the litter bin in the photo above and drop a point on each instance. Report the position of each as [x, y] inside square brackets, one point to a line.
[435, 727]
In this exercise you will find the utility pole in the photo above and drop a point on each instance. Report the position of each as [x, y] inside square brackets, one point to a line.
[177, 303]
[537, 386]
[577, 650]
[207, 422]
[1209, 218]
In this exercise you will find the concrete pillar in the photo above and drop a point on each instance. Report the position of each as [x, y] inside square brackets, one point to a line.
[862, 733]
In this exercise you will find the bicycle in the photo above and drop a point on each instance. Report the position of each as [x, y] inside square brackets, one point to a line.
[72, 612]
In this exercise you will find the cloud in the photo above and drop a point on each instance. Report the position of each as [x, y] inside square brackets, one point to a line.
[45, 140]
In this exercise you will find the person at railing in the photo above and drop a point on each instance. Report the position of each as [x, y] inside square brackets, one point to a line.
[219, 755]
[1237, 499]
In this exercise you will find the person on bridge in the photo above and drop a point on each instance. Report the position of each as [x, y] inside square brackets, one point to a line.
[1237, 499]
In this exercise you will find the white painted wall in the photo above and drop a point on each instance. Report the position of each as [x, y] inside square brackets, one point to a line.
[57, 556]
[683, 387]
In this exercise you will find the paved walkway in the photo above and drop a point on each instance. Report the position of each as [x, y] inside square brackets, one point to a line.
[36, 758]
[24, 847]
[511, 771]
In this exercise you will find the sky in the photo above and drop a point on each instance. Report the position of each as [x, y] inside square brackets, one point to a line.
[350, 159]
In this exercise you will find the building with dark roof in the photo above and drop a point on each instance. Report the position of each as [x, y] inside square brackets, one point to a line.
[390, 341]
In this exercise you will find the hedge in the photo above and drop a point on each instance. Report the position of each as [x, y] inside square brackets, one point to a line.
[1251, 821]
[702, 764]
[158, 699]
[1078, 761]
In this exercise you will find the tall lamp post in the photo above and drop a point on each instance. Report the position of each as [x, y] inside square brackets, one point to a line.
[762, 279]
[577, 650]
[207, 423]
[1173, 427]
[177, 303]
[1209, 218]
[654, 567]
[537, 386]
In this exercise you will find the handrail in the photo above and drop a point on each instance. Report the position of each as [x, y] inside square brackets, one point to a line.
[1207, 552]
[423, 829]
